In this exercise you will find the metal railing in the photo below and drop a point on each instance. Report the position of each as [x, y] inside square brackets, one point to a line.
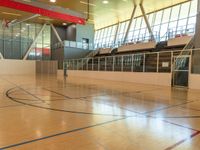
[139, 62]
[74, 44]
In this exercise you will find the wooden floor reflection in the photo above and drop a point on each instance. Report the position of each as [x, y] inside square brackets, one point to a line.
[54, 113]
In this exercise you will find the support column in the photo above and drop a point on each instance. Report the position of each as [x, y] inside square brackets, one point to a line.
[25, 19]
[57, 35]
[196, 54]
[147, 21]
[197, 29]
[130, 23]
[29, 49]
[1, 56]
[115, 39]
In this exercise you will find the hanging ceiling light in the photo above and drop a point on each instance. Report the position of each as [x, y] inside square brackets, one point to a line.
[52, 1]
[105, 1]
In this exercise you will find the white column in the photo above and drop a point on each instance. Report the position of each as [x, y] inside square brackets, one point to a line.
[1, 56]
[57, 35]
[29, 49]
[147, 22]
[130, 23]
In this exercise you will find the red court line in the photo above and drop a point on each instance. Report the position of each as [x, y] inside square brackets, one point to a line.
[180, 125]
[182, 141]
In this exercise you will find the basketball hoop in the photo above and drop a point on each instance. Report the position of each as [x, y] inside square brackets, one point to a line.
[5, 23]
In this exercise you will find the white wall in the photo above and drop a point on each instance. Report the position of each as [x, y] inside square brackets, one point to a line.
[85, 31]
[194, 81]
[17, 67]
[163, 79]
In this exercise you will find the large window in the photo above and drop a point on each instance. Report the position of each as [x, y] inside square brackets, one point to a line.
[121, 32]
[105, 37]
[165, 24]
[15, 41]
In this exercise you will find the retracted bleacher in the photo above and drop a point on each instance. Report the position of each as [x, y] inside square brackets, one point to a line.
[137, 46]
[179, 41]
[104, 51]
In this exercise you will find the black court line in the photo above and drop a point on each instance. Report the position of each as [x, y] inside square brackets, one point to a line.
[96, 102]
[153, 116]
[82, 97]
[168, 107]
[59, 134]
[190, 108]
[127, 94]
[20, 105]
[24, 99]
[146, 113]
[182, 117]
[189, 128]
[30, 94]
[84, 128]
[27, 142]
[15, 92]
[1, 107]
[60, 110]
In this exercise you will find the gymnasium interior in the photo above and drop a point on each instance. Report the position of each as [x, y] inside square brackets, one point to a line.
[99, 74]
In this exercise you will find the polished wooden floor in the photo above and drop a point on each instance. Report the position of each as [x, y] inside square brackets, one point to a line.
[53, 113]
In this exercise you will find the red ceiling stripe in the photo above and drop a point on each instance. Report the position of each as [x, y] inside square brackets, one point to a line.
[41, 11]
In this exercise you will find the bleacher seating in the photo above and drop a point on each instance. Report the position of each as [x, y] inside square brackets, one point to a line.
[137, 46]
[104, 51]
[179, 40]
[173, 44]
[161, 45]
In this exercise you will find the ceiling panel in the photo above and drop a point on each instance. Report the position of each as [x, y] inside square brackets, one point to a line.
[100, 14]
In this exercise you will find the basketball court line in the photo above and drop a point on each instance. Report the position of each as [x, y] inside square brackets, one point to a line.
[176, 144]
[82, 97]
[140, 113]
[59, 134]
[100, 124]
[15, 92]
[97, 102]
[180, 142]
[170, 106]
[60, 110]
[153, 111]
[19, 105]
[7, 106]
[194, 109]
[24, 99]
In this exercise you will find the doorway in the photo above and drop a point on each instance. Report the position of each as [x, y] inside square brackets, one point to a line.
[180, 74]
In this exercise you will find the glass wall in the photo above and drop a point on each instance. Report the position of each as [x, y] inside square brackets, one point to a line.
[105, 37]
[165, 24]
[15, 41]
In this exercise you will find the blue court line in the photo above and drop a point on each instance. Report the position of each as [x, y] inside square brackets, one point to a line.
[59, 134]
